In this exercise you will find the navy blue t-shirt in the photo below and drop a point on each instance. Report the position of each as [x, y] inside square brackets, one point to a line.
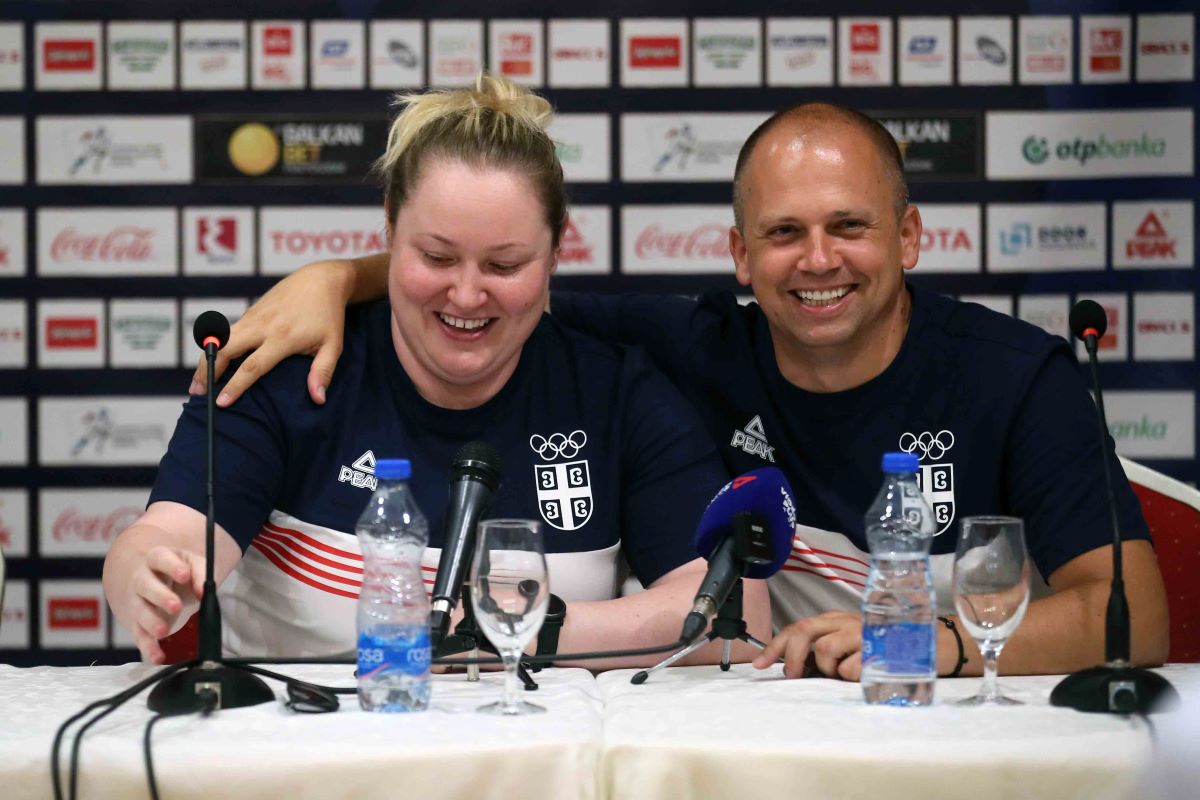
[996, 409]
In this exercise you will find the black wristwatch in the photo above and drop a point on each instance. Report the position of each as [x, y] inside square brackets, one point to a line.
[547, 642]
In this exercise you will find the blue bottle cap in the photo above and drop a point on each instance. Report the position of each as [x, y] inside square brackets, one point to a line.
[393, 469]
[897, 462]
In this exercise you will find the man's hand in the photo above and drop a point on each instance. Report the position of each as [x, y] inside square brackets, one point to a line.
[164, 584]
[832, 641]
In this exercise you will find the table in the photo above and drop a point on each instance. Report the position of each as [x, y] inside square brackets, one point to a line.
[689, 732]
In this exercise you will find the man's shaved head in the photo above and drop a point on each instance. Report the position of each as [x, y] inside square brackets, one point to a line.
[811, 119]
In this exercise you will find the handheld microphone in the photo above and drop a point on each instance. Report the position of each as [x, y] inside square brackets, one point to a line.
[475, 476]
[746, 532]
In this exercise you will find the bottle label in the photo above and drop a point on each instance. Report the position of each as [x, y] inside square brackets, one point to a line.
[398, 649]
[900, 648]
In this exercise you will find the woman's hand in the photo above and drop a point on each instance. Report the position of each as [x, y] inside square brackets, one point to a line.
[167, 583]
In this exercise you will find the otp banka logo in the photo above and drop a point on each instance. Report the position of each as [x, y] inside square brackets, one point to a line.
[1016, 239]
[1035, 149]
[564, 490]
[935, 479]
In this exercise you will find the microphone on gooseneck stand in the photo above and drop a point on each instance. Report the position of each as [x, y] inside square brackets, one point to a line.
[1116, 687]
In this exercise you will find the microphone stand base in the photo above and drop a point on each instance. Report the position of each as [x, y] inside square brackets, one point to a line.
[235, 688]
[1112, 689]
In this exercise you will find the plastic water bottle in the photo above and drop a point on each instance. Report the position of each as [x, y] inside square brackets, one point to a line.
[899, 608]
[393, 609]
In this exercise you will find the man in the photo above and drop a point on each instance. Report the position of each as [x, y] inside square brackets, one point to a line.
[837, 362]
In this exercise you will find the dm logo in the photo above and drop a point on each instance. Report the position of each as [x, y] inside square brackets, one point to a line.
[936, 480]
[564, 491]
[1035, 150]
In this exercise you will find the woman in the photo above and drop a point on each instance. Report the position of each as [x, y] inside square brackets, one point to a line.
[593, 441]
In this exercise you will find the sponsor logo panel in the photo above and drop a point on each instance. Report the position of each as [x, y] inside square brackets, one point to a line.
[799, 51]
[397, 54]
[84, 522]
[585, 246]
[70, 333]
[12, 240]
[12, 56]
[13, 336]
[1114, 344]
[455, 52]
[105, 431]
[218, 241]
[14, 439]
[1152, 424]
[322, 148]
[579, 52]
[69, 56]
[1104, 43]
[1089, 144]
[864, 51]
[727, 52]
[212, 55]
[683, 147]
[73, 614]
[515, 50]
[936, 145]
[984, 50]
[1164, 326]
[1000, 303]
[14, 616]
[654, 52]
[1045, 237]
[925, 56]
[12, 166]
[661, 240]
[1049, 312]
[143, 333]
[14, 523]
[1166, 47]
[114, 150]
[290, 236]
[231, 307]
[582, 142]
[1046, 49]
[106, 241]
[338, 55]
[141, 55]
[951, 238]
[277, 55]
[1152, 234]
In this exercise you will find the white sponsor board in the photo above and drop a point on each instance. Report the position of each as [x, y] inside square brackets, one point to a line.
[74, 614]
[1166, 47]
[338, 54]
[1046, 49]
[661, 240]
[397, 54]
[582, 142]
[455, 52]
[84, 522]
[951, 238]
[1000, 303]
[231, 307]
[799, 51]
[584, 248]
[1045, 237]
[1114, 344]
[1153, 233]
[143, 333]
[218, 241]
[13, 334]
[1089, 144]
[864, 51]
[291, 236]
[654, 52]
[12, 166]
[985, 52]
[12, 56]
[68, 56]
[14, 438]
[515, 50]
[14, 523]
[926, 51]
[212, 55]
[1152, 424]
[1164, 326]
[727, 52]
[1104, 43]
[15, 616]
[1050, 312]
[105, 431]
[71, 333]
[683, 147]
[12, 242]
[141, 55]
[277, 54]
[114, 150]
[97, 241]
[579, 54]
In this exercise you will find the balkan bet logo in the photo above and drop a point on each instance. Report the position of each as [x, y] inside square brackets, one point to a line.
[516, 54]
[1151, 240]
[68, 55]
[1106, 45]
[655, 52]
[864, 37]
[71, 333]
[277, 41]
[74, 613]
[216, 238]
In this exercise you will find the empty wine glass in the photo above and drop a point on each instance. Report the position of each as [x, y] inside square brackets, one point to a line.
[510, 593]
[991, 592]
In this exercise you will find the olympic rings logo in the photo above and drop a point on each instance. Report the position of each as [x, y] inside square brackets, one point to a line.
[931, 445]
[557, 444]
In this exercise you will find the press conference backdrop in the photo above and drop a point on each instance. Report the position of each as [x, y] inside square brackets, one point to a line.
[155, 162]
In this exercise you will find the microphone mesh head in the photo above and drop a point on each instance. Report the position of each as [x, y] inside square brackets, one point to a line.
[481, 459]
[1087, 314]
[211, 323]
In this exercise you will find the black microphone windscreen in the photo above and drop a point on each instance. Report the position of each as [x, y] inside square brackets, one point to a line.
[211, 323]
[481, 460]
[1088, 314]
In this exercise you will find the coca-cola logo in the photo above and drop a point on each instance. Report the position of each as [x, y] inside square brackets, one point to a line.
[74, 525]
[327, 242]
[706, 241]
[127, 243]
[74, 612]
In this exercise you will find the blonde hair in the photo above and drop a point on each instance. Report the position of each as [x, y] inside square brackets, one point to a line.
[496, 124]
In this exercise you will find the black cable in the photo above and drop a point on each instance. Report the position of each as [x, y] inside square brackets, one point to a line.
[77, 746]
[149, 758]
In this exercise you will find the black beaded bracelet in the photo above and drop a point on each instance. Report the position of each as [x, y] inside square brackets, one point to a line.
[962, 658]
